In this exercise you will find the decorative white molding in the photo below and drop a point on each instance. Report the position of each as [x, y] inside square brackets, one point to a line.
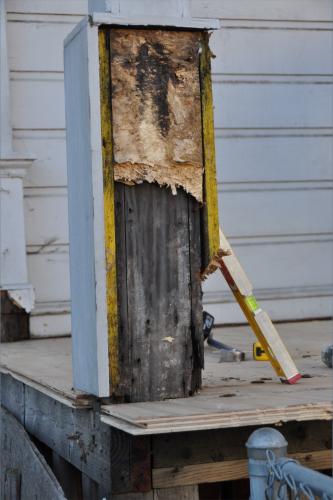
[13, 166]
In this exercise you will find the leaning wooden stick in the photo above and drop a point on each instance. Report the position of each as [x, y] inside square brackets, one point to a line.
[258, 319]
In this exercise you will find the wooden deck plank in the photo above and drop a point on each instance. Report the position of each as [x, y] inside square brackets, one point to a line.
[229, 470]
[233, 394]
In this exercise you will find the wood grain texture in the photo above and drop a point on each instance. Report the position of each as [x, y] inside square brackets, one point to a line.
[109, 208]
[178, 492]
[222, 445]
[229, 470]
[210, 208]
[156, 108]
[130, 463]
[78, 437]
[24, 471]
[158, 266]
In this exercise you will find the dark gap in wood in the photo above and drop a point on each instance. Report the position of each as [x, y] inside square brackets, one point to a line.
[14, 320]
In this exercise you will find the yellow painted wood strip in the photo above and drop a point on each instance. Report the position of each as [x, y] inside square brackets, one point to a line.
[210, 208]
[109, 215]
[229, 470]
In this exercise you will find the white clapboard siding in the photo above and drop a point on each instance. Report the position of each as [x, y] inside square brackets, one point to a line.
[49, 270]
[49, 149]
[273, 115]
[261, 105]
[285, 262]
[37, 100]
[274, 155]
[274, 10]
[282, 52]
[274, 209]
[57, 7]
[34, 46]
[46, 216]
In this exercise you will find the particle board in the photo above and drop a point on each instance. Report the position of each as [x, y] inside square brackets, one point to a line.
[156, 108]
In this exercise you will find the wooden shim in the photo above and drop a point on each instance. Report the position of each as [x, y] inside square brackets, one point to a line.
[262, 416]
[224, 244]
[275, 344]
[229, 470]
[235, 275]
[210, 218]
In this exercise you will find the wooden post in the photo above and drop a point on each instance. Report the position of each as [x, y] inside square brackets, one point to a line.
[144, 179]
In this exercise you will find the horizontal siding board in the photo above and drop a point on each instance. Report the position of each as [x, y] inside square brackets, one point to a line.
[36, 105]
[266, 106]
[275, 158]
[46, 217]
[49, 273]
[49, 149]
[283, 308]
[250, 211]
[278, 264]
[281, 52]
[36, 46]
[38, 102]
[69, 7]
[297, 10]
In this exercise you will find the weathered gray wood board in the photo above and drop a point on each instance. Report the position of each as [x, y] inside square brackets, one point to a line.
[24, 471]
[156, 108]
[107, 457]
[14, 321]
[75, 435]
[159, 292]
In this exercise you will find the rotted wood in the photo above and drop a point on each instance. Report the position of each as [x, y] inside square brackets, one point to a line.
[159, 292]
[14, 320]
[156, 108]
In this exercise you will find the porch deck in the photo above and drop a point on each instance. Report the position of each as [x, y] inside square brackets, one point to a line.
[232, 395]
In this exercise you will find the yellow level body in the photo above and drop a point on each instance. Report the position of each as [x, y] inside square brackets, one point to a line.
[258, 319]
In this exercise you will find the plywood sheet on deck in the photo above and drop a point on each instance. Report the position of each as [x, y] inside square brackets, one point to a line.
[46, 365]
[156, 108]
[241, 394]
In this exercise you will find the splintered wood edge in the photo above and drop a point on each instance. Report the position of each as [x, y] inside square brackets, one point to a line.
[215, 262]
[229, 470]
[244, 418]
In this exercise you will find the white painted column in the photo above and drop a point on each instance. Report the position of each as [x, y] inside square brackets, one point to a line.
[13, 262]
